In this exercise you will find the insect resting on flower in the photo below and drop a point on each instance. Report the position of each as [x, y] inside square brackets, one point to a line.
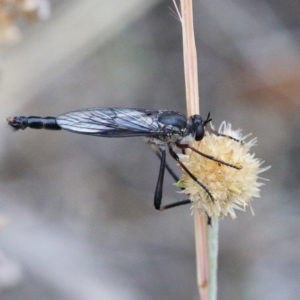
[163, 128]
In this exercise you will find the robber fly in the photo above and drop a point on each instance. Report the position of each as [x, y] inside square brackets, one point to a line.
[161, 128]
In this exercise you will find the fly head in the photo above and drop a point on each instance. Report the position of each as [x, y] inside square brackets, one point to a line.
[197, 126]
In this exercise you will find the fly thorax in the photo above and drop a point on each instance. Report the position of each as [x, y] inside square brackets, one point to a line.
[186, 139]
[164, 139]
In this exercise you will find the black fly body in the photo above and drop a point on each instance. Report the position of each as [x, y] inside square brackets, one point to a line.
[163, 128]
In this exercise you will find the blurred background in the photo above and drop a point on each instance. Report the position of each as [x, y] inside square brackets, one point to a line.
[77, 215]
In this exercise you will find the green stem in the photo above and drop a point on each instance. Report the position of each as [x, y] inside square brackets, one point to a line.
[213, 235]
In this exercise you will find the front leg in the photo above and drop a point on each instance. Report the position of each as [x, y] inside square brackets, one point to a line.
[187, 146]
[215, 132]
[175, 156]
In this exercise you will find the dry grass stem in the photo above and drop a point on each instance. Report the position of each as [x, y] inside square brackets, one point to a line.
[193, 107]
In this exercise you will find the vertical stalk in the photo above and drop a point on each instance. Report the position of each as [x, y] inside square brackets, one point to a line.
[213, 247]
[206, 238]
[190, 58]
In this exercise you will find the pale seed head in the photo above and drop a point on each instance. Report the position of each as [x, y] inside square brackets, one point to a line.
[231, 188]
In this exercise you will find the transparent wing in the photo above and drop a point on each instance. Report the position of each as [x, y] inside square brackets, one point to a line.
[111, 122]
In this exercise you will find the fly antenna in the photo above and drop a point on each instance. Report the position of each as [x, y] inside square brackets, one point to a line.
[207, 120]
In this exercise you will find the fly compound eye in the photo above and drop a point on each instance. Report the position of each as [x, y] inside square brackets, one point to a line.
[199, 132]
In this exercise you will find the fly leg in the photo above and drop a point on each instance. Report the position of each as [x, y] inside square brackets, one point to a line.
[176, 157]
[187, 146]
[158, 196]
[160, 181]
[159, 186]
[171, 172]
[215, 132]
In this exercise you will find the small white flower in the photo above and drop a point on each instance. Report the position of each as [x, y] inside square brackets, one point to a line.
[231, 188]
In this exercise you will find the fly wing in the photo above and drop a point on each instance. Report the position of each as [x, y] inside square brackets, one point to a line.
[111, 122]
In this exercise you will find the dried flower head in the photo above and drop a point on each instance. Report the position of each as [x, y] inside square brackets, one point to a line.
[231, 188]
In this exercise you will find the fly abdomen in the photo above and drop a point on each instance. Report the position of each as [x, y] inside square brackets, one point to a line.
[33, 122]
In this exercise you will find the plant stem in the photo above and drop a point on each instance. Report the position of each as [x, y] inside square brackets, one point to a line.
[213, 247]
[206, 239]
